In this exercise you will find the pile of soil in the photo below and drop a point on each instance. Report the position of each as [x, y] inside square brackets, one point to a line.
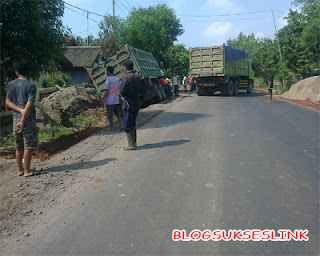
[307, 89]
[63, 106]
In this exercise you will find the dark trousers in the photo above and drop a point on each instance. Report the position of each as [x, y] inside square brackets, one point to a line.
[129, 119]
[176, 89]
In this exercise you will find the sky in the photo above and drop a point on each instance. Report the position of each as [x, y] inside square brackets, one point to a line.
[205, 22]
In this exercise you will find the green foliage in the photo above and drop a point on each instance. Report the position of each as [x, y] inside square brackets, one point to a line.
[83, 41]
[84, 119]
[178, 60]
[7, 141]
[54, 79]
[47, 135]
[300, 39]
[34, 30]
[44, 135]
[260, 82]
[153, 29]
[109, 38]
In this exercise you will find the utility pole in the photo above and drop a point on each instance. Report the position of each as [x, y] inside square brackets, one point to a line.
[113, 8]
[284, 83]
[87, 28]
[275, 28]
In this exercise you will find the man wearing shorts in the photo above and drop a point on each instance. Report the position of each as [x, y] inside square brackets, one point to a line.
[111, 98]
[270, 85]
[21, 95]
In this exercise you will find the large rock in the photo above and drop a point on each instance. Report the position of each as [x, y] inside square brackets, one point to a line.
[63, 106]
[307, 89]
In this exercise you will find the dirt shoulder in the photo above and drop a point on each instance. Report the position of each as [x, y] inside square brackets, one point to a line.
[306, 103]
[25, 202]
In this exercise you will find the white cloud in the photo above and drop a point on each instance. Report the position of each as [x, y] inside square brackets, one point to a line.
[218, 29]
[259, 35]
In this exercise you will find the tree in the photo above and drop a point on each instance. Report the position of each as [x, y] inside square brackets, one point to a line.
[109, 38]
[178, 60]
[83, 41]
[153, 29]
[33, 30]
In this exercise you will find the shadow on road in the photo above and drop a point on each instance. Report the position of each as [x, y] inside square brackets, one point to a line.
[173, 118]
[77, 166]
[163, 144]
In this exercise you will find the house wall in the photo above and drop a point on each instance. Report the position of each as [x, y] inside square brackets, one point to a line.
[78, 75]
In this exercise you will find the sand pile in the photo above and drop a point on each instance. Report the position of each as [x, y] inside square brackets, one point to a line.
[307, 89]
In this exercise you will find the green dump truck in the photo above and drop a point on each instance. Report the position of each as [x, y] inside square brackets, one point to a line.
[221, 68]
[145, 65]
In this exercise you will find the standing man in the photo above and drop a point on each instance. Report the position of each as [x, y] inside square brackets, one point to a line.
[270, 85]
[21, 95]
[111, 98]
[190, 80]
[129, 89]
[176, 83]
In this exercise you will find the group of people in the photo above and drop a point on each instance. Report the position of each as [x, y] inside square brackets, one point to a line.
[187, 81]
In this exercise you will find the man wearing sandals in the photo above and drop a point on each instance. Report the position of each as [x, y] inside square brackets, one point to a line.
[21, 95]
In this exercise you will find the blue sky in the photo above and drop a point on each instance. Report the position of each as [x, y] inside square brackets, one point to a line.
[206, 22]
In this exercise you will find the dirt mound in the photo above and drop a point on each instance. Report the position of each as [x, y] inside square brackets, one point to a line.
[63, 106]
[307, 89]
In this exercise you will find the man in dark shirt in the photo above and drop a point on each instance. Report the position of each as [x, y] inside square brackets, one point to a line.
[130, 89]
[21, 95]
[270, 85]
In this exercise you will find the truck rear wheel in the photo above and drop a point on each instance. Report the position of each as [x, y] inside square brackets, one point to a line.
[250, 87]
[229, 89]
[236, 88]
[199, 91]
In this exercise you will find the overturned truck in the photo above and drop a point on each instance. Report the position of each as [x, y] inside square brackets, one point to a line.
[145, 66]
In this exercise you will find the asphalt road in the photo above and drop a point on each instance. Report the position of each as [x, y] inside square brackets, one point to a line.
[206, 163]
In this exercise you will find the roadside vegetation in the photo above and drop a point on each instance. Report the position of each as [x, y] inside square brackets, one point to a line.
[88, 118]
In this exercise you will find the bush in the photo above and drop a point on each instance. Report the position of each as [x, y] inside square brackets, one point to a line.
[54, 79]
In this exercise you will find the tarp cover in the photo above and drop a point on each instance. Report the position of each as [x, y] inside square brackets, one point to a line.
[235, 54]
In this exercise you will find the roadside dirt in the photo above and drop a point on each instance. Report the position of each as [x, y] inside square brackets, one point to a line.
[306, 103]
[27, 202]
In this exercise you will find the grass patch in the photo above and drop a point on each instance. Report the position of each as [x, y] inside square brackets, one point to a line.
[44, 135]
[7, 141]
[47, 135]
[88, 117]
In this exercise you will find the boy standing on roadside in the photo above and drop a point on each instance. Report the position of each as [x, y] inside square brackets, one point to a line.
[21, 94]
[111, 98]
[270, 85]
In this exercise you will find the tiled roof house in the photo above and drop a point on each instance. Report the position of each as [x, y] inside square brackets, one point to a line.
[77, 59]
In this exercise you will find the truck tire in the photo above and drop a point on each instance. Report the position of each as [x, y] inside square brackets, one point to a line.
[250, 87]
[158, 93]
[164, 96]
[229, 89]
[236, 88]
[199, 91]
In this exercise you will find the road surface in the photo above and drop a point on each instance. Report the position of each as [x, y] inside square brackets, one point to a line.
[207, 163]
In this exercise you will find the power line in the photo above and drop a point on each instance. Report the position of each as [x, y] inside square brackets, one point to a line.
[261, 18]
[84, 9]
[82, 14]
[121, 9]
[85, 30]
[214, 15]
[124, 6]
[130, 6]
